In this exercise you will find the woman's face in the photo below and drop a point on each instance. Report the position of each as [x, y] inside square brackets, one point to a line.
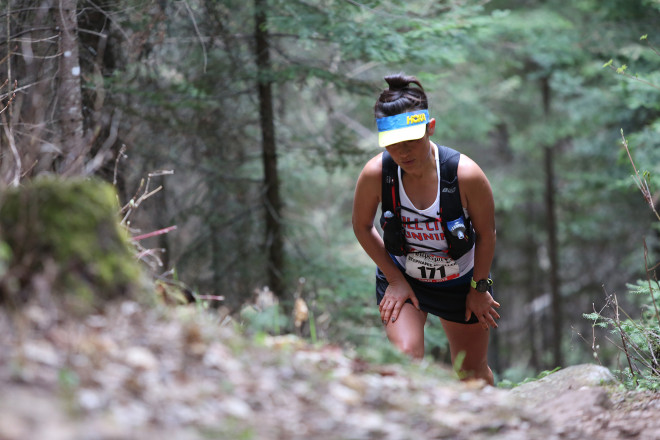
[412, 155]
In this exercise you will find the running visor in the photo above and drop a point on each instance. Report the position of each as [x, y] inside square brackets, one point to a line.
[402, 127]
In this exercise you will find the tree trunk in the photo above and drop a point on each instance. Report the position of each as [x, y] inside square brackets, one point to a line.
[69, 93]
[272, 202]
[552, 251]
[532, 283]
[552, 235]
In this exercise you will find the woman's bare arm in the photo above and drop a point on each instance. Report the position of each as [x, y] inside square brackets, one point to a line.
[365, 205]
[477, 197]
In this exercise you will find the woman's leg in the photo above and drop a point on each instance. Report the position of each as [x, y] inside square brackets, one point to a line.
[471, 339]
[407, 333]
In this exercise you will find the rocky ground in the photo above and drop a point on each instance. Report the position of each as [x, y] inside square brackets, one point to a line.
[142, 373]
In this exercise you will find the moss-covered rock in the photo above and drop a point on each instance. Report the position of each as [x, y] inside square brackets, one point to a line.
[64, 236]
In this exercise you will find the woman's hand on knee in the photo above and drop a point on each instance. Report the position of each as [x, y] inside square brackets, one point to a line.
[483, 306]
[396, 295]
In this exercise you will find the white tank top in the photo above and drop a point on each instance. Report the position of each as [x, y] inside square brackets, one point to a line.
[425, 235]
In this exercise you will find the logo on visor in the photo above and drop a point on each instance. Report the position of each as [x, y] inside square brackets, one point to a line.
[402, 120]
[415, 119]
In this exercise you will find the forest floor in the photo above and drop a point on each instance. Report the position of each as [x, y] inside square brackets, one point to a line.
[141, 373]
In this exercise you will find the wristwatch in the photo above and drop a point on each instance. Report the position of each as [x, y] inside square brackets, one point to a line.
[481, 285]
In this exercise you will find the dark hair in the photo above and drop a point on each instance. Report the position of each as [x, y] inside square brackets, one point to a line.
[400, 97]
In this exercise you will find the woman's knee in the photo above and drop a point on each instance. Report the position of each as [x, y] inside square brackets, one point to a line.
[413, 348]
[407, 341]
[407, 333]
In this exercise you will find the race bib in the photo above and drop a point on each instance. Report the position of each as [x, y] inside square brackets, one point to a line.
[431, 268]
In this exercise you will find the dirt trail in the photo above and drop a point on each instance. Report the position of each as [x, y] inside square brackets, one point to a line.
[134, 373]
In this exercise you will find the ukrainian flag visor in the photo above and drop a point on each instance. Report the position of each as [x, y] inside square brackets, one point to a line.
[402, 127]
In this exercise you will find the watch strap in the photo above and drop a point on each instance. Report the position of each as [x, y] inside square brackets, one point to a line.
[489, 282]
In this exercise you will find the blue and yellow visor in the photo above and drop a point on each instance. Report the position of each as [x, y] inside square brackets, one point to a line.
[402, 127]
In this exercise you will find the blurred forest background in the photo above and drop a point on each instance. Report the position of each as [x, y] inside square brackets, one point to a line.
[256, 117]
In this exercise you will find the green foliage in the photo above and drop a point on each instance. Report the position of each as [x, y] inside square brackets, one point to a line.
[386, 32]
[639, 337]
[312, 328]
[270, 320]
[189, 101]
[379, 351]
[435, 340]
[69, 383]
[508, 384]
[5, 258]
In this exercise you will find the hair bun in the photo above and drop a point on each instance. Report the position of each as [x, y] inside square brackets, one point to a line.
[400, 81]
[401, 96]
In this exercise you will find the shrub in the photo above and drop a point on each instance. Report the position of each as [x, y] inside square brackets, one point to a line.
[638, 339]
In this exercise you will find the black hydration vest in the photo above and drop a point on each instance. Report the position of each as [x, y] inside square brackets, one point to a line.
[450, 206]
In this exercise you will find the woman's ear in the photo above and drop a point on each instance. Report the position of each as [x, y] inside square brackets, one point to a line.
[430, 127]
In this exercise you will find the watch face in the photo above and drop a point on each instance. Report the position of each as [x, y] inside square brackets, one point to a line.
[482, 285]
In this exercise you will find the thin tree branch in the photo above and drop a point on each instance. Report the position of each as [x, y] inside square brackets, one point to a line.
[154, 233]
[199, 35]
[641, 182]
[14, 151]
[120, 155]
[623, 340]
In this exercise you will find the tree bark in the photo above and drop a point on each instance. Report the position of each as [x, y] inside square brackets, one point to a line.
[272, 202]
[551, 226]
[532, 282]
[69, 92]
[550, 203]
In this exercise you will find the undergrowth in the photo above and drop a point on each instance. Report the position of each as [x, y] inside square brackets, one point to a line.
[637, 338]
[507, 383]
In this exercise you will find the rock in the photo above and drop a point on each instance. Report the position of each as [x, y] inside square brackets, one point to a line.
[568, 396]
[141, 358]
[558, 383]
[41, 352]
[64, 236]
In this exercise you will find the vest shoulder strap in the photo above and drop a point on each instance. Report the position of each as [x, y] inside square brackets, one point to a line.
[450, 195]
[451, 207]
[389, 184]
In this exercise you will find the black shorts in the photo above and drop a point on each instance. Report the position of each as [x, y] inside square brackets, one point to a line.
[447, 302]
